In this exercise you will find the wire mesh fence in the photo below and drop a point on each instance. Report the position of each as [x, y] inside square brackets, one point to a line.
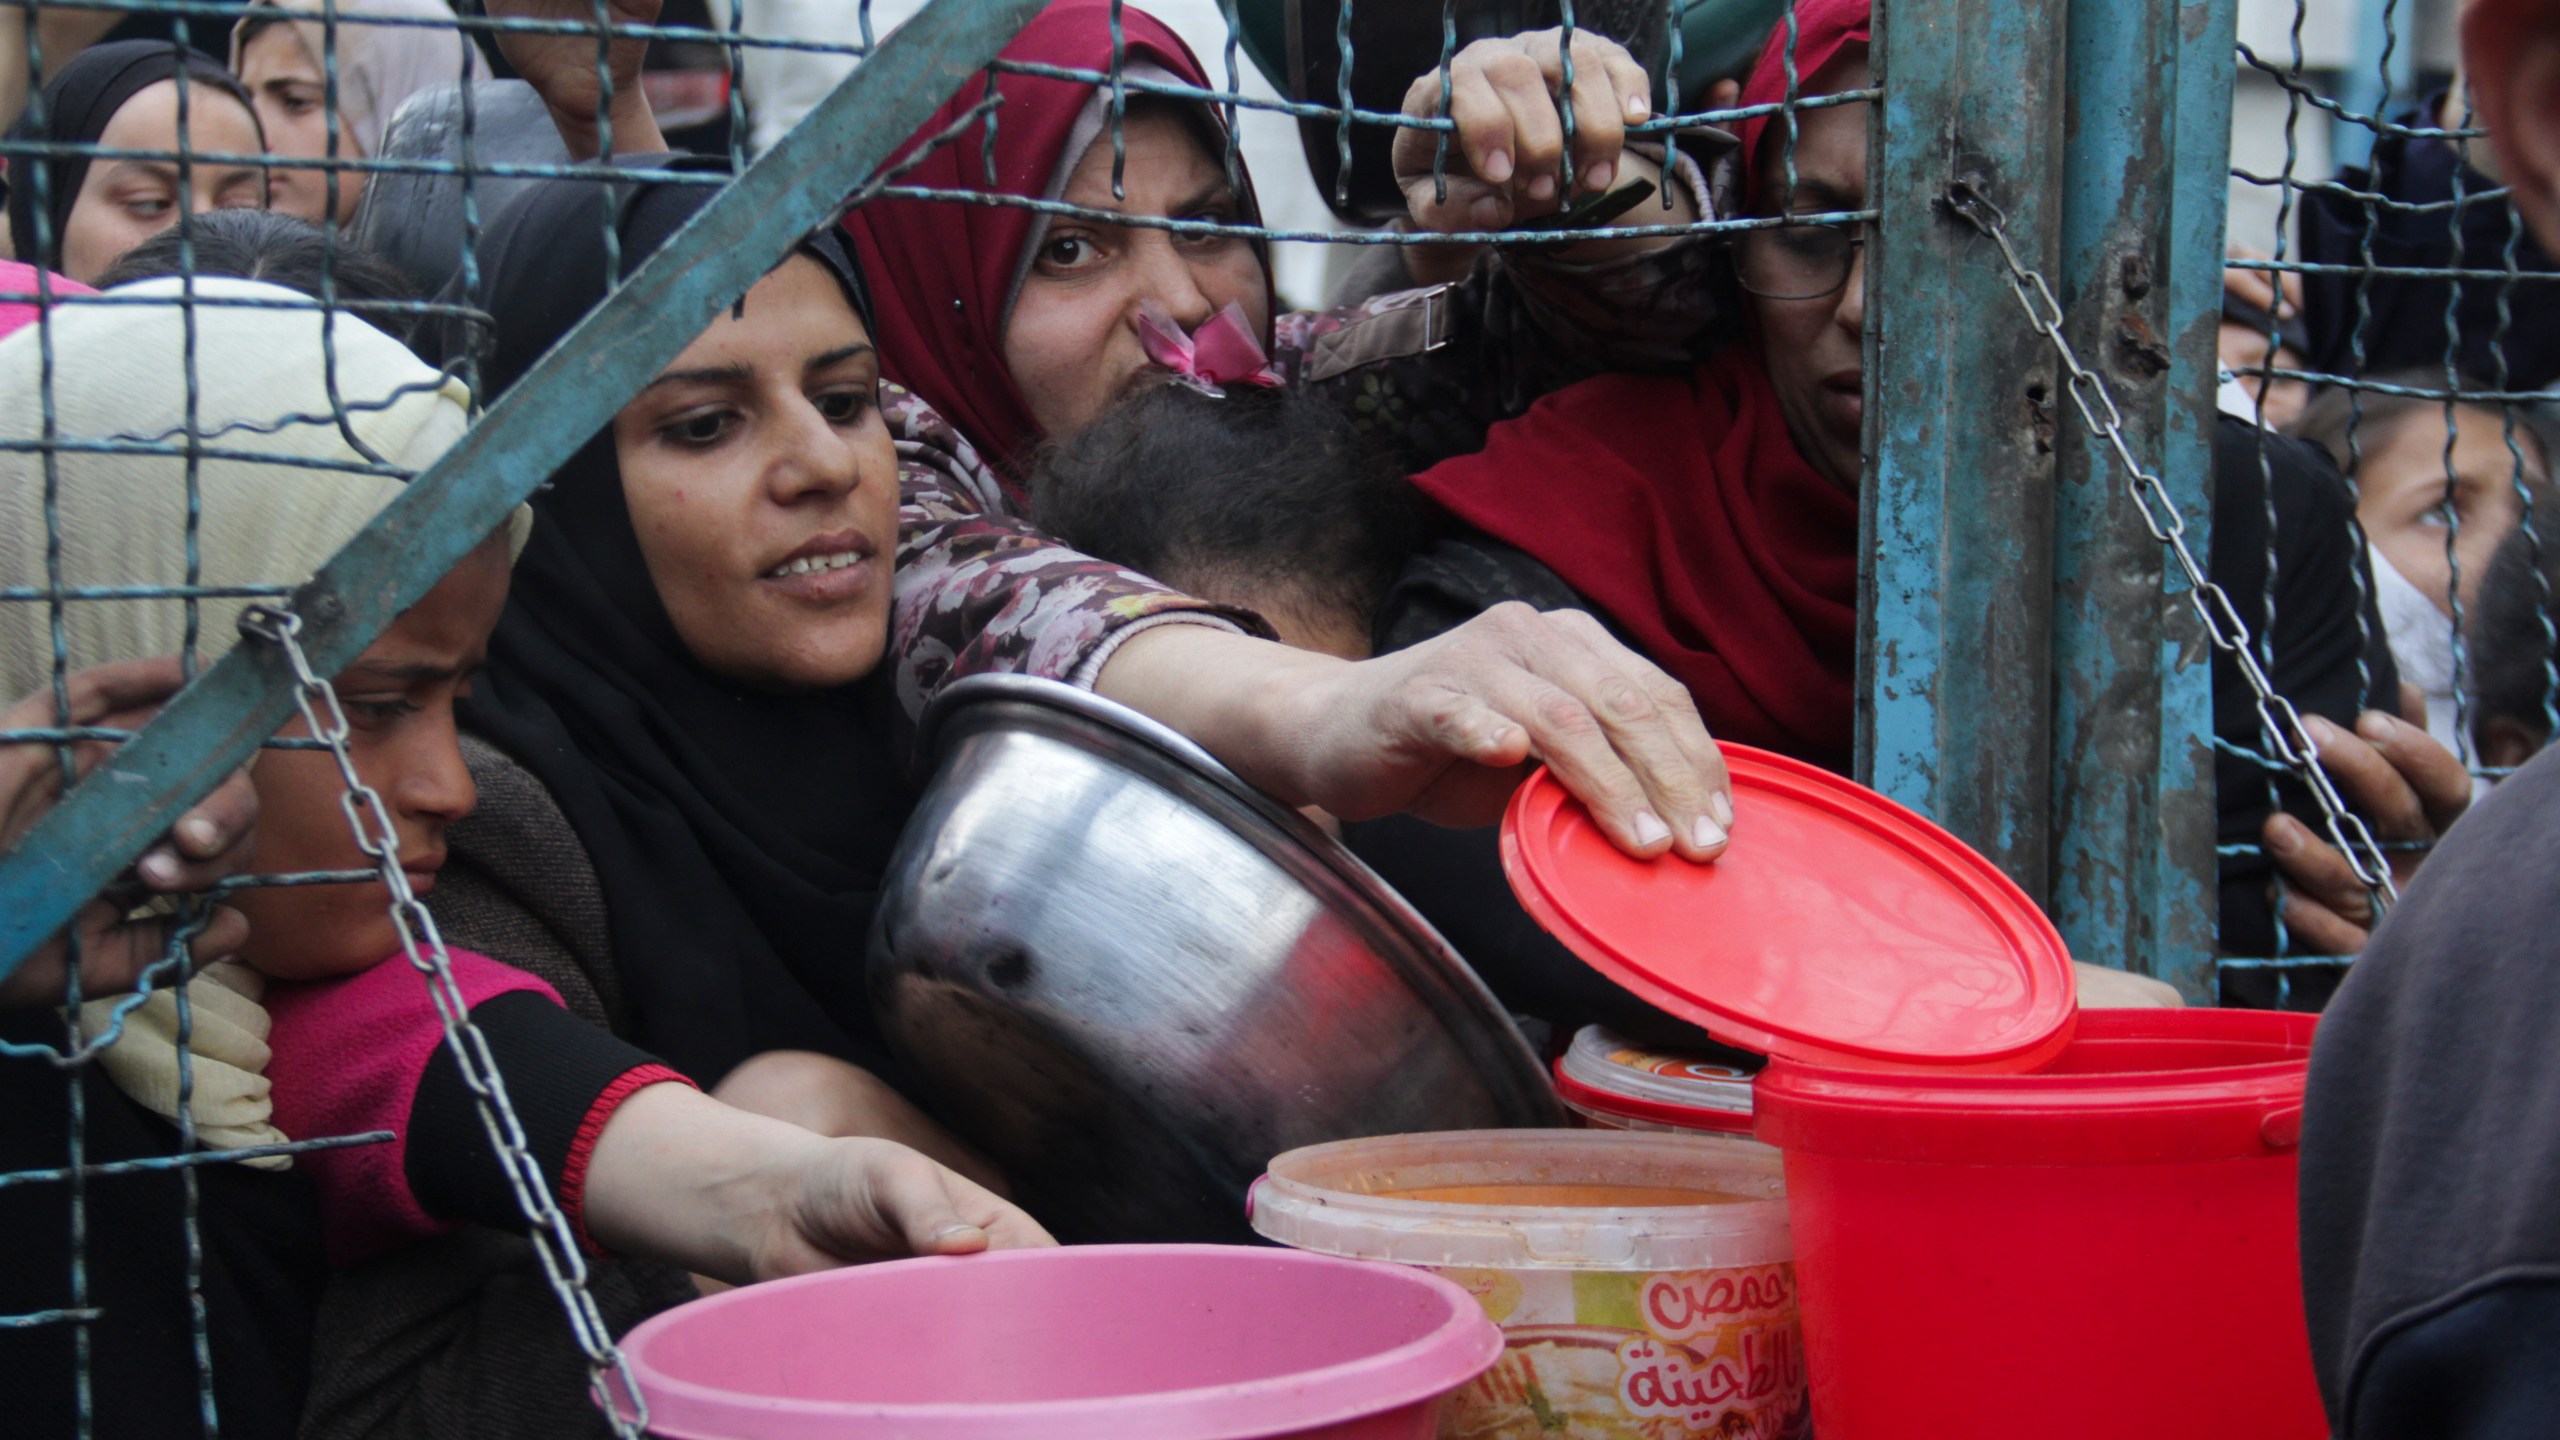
[2385, 312]
[2396, 301]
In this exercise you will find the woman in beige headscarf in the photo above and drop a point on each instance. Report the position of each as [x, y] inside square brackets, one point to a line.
[278, 50]
[261, 390]
[645, 1164]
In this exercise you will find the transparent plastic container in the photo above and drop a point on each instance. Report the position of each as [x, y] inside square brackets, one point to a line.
[1615, 1084]
[1645, 1283]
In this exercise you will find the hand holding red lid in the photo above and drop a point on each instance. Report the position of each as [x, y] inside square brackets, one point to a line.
[1849, 932]
[1447, 728]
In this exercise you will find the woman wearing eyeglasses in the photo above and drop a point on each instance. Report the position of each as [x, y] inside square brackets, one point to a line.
[1711, 520]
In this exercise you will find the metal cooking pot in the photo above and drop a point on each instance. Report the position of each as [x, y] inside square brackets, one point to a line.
[1132, 979]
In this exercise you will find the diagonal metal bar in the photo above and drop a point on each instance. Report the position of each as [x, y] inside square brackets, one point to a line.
[135, 795]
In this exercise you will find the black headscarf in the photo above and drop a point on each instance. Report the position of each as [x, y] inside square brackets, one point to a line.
[78, 102]
[740, 836]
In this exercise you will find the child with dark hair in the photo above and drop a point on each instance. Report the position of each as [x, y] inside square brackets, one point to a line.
[2514, 636]
[1272, 500]
[1260, 497]
[277, 248]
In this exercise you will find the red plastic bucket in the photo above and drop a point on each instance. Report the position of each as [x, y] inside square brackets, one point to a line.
[1099, 1342]
[2104, 1249]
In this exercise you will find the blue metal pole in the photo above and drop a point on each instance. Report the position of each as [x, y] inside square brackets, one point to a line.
[1954, 654]
[2144, 191]
[217, 723]
[2381, 77]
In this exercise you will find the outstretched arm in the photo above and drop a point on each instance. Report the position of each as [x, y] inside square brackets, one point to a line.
[1447, 728]
[681, 1177]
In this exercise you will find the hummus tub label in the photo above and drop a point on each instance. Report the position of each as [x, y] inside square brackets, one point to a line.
[1676, 1067]
[1663, 1355]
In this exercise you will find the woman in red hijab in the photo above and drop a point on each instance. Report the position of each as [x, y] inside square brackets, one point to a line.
[1718, 535]
[1712, 518]
[1018, 325]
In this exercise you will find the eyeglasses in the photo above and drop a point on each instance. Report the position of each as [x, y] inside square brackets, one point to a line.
[1797, 262]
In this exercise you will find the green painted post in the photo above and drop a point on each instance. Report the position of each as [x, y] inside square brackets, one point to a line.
[1955, 648]
[2149, 121]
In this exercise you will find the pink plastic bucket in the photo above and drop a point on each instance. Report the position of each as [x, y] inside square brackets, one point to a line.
[1171, 1342]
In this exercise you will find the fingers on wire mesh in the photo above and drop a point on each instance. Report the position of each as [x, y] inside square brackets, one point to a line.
[2372, 783]
[1608, 91]
[208, 843]
[123, 950]
[2314, 927]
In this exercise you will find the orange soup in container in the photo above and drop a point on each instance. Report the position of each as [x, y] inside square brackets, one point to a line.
[1644, 1283]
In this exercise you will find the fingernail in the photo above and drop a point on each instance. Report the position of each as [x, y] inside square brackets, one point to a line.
[1720, 805]
[954, 1232]
[1649, 828]
[2283, 838]
[1639, 108]
[2321, 731]
[1487, 213]
[198, 831]
[1542, 187]
[160, 868]
[1708, 833]
[1497, 166]
[1599, 176]
[2374, 725]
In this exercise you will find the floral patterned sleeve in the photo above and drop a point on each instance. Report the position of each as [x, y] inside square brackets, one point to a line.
[1429, 371]
[977, 590]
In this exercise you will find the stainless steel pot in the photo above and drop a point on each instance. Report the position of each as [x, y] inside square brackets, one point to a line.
[1132, 979]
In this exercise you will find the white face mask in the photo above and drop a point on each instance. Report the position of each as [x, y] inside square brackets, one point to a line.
[2422, 646]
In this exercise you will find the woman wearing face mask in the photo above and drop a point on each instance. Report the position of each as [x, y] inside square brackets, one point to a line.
[75, 214]
[279, 52]
[2437, 490]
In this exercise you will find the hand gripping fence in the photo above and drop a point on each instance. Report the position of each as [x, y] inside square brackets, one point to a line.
[2280, 721]
[563, 1266]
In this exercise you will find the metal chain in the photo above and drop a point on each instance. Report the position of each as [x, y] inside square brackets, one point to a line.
[2230, 634]
[563, 1264]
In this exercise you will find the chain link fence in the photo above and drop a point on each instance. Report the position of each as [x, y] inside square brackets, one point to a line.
[2389, 313]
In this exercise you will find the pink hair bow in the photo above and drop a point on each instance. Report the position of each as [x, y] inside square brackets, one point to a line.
[1221, 352]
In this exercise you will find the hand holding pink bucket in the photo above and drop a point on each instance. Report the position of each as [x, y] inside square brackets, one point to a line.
[1103, 1342]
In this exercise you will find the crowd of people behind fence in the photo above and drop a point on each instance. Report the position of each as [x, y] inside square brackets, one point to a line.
[1590, 502]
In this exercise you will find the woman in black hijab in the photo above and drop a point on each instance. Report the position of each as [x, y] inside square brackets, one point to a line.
[738, 833]
[76, 214]
[686, 812]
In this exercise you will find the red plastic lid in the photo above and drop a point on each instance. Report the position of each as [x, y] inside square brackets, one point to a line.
[1839, 928]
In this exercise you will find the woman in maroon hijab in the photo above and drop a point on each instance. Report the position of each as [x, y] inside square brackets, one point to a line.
[1718, 536]
[1019, 325]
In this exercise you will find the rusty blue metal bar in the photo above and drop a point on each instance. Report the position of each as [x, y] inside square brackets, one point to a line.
[1955, 647]
[2149, 120]
[219, 721]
